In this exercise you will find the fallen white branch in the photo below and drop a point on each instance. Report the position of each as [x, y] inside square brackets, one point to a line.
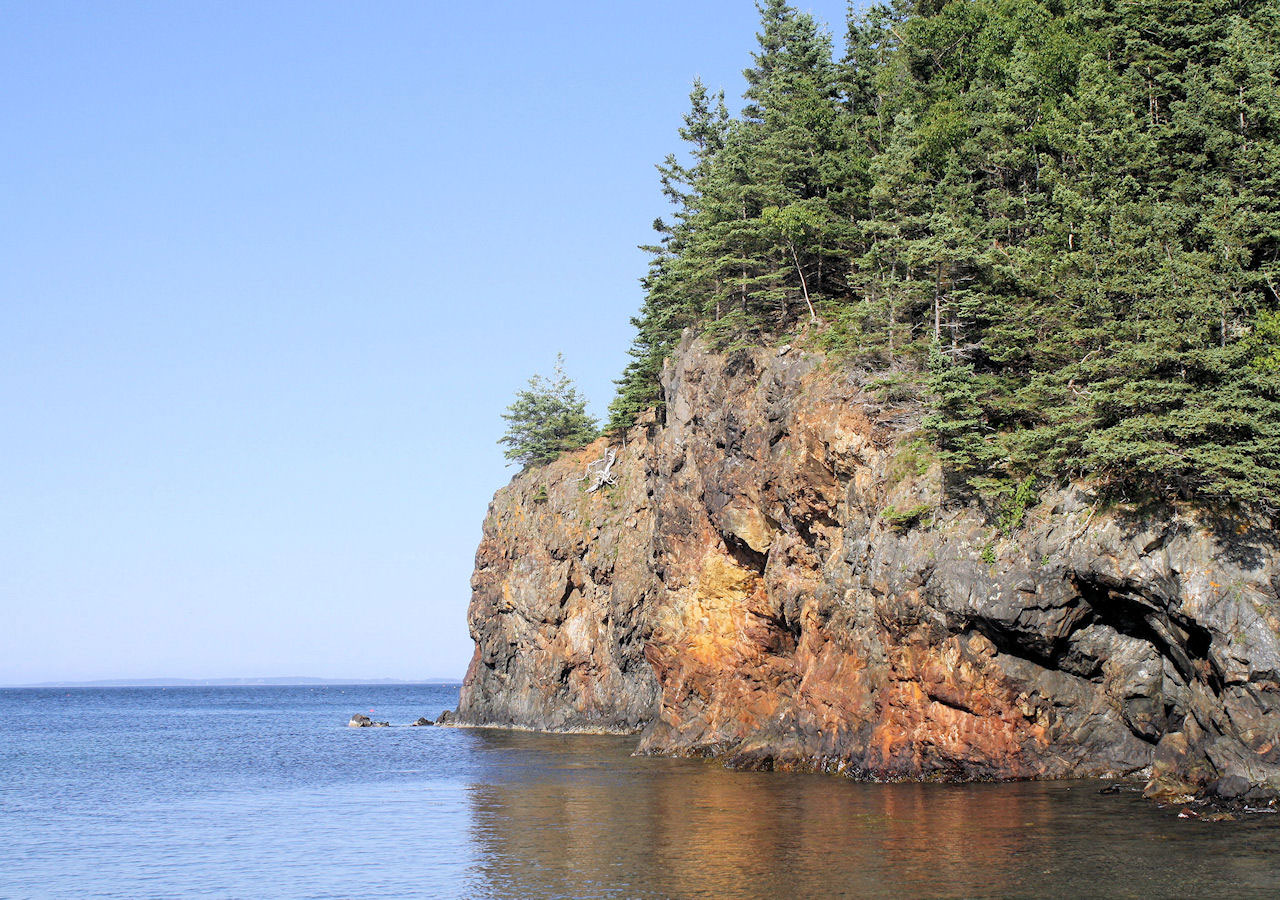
[598, 471]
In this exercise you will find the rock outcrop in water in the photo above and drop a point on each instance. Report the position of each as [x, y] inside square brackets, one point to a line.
[774, 580]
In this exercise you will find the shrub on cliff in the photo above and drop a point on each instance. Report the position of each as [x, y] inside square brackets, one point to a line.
[548, 418]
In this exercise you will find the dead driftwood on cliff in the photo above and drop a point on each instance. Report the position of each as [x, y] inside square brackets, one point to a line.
[598, 471]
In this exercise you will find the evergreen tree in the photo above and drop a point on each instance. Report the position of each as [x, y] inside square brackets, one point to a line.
[547, 419]
[670, 300]
[799, 168]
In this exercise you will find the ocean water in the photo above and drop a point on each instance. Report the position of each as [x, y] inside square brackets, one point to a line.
[264, 792]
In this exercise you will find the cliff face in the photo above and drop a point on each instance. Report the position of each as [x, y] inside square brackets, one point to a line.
[774, 580]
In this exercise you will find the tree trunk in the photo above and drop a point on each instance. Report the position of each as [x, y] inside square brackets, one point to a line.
[804, 284]
[937, 306]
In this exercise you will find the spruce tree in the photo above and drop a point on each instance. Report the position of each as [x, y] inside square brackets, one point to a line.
[547, 419]
[670, 302]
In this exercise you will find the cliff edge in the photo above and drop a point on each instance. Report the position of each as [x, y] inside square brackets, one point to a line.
[774, 580]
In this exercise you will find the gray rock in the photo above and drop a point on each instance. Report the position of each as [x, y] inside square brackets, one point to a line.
[1231, 787]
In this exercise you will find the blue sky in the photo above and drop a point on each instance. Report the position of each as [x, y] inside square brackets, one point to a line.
[269, 273]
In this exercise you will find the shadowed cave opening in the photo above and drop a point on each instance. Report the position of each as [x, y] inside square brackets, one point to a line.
[1182, 643]
[744, 555]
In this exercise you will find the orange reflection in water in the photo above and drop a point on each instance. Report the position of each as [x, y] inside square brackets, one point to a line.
[577, 816]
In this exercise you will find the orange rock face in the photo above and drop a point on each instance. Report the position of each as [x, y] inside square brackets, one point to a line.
[775, 579]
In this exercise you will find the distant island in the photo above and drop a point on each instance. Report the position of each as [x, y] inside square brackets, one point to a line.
[282, 681]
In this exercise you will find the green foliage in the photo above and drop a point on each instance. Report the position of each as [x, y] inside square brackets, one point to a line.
[989, 553]
[1264, 343]
[844, 337]
[548, 418]
[895, 387]
[1009, 501]
[958, 422]
[904, 519]
[912, 459]
[1063, 214]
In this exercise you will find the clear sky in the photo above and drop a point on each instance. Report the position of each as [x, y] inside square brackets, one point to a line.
[269, 273]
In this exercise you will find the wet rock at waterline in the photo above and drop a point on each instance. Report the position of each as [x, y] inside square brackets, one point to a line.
[360, 721]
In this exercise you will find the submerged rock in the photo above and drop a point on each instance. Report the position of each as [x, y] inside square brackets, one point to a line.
[775, 580]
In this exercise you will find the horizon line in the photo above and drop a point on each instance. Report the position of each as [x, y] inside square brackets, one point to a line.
[254, 681]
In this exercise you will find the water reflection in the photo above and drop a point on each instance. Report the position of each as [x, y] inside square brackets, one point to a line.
[573, 816]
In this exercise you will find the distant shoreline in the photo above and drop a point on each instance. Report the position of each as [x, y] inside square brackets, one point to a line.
[239, 682]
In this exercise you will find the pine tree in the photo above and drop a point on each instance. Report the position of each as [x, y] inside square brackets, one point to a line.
[547, 419]
[670, 304]
[799, 168]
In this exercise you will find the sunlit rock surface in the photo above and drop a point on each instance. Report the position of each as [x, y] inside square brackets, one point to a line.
[773, 580]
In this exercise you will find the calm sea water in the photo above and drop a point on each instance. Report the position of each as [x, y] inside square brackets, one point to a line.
[264, 792]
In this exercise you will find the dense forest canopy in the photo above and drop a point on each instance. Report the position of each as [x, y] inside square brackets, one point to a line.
[1061, 218]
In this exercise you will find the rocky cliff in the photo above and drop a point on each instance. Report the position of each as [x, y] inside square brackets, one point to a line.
[774, 580]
